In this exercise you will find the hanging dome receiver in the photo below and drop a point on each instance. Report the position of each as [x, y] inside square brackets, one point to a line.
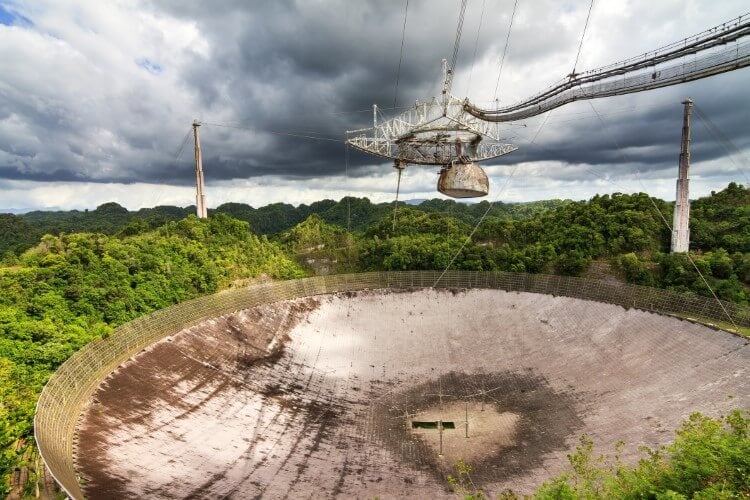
[463, 180]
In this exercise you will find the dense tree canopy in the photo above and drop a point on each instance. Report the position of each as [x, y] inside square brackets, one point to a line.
[20, 232]
[73, 288]
[722, 220]
[629, 231]
[320, 247]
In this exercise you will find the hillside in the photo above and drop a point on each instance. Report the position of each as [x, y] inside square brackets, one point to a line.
[22, 231]
[71, 289]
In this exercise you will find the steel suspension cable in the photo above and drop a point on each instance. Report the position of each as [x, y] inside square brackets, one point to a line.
[456, 46]
[275, 132]
[175, 160]
[349, 240]
[667, 224]
[486, 212]
[505, 50]
[395, 203]
[476, 45]
[639, 73]
[580, 45]
[725, 142]
[401, 55]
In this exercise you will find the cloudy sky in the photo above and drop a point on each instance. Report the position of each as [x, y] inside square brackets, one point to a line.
[97, 98]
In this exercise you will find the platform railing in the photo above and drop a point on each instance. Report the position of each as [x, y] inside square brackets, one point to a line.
[71, 387]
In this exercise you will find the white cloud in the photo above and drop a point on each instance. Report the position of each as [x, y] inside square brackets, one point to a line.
[510, 183]
[106, 90]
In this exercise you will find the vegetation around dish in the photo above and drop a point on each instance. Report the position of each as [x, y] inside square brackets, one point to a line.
[70, 277]
[74, 288]
[709, 459]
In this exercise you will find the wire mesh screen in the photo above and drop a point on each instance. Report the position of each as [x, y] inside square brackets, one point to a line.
[70, 389]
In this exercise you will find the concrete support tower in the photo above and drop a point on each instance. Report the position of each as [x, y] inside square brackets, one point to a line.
[681, 221]
[200, 197]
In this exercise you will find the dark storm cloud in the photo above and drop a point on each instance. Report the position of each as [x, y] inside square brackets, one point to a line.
[285, 71]
[44, 176]
[649, 133]
[301, 67]
[290, 65]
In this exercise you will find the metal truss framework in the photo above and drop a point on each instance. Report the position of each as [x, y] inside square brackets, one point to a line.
[434, 132]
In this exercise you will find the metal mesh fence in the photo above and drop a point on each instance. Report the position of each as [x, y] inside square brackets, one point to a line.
[72, 385]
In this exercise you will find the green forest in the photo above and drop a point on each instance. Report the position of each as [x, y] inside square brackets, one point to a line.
[72, 288]
[70, 277]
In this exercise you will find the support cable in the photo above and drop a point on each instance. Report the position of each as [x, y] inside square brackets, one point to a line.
[348, 198]
[182, 145]
[456, 46]
[459, 29]
[275, 132]
[580, 45]
[368, 110]
[175, 159]
[639, 73]
[400, 169]
[401, 55]
[349, 239]
[476, 45]
[486, 212]
[505, 50]
[666, 223]
[725, 142]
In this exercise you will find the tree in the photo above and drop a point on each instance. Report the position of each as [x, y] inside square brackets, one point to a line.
[74, 288]
[710, 458]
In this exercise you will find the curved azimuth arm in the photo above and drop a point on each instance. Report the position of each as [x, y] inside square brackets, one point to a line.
[715, 51]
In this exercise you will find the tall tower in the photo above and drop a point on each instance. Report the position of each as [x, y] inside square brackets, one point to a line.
[200, 198]
[681, 221]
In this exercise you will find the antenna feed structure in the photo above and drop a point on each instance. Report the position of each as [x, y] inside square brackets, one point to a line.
[437, 132]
